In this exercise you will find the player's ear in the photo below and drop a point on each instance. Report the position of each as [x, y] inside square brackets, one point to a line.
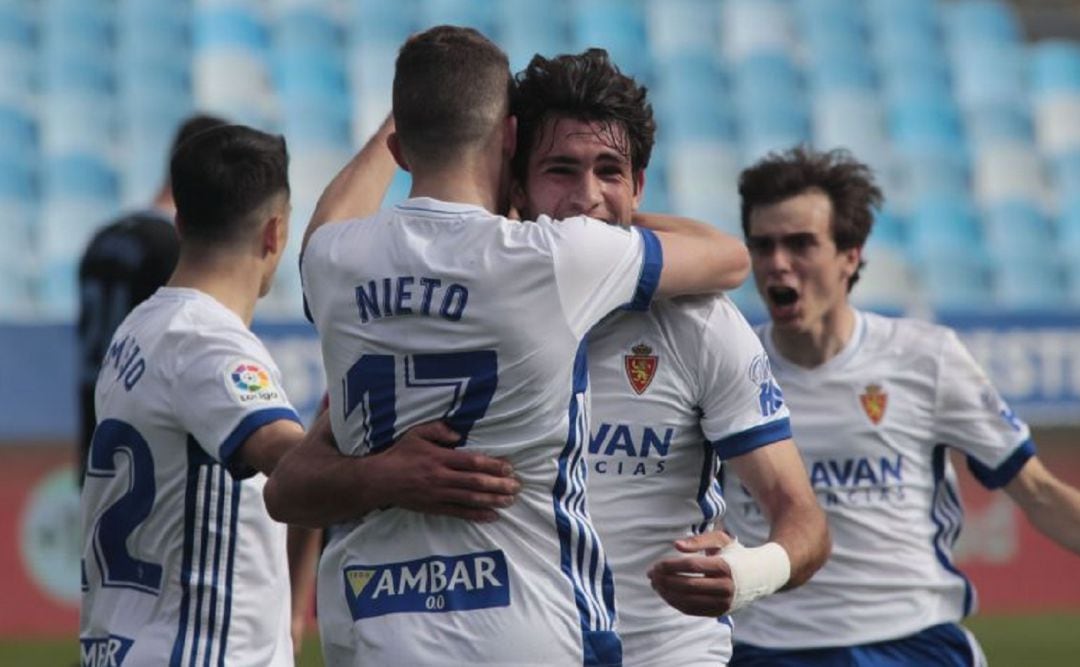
[518, 200]
[274, 235]
[852, 257]
[394, 144]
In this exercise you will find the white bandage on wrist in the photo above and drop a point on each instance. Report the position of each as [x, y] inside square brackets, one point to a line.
[756, 571]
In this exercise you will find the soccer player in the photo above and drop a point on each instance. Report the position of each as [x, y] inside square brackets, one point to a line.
[675, 389]
[125, 262]
[876, 404]
[181, 562]
[440, 308]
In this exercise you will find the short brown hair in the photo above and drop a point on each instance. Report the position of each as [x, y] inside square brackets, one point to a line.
[848, 183]
[451, 89]
[587, 87]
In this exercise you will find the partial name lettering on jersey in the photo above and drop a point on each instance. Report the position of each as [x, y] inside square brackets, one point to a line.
[250, 382]
[411, 295]
[124, 359]
[103, 651]
[629, 449]
[428, 585]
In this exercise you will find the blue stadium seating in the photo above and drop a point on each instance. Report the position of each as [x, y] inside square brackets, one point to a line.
[1055, 67]
[943, 99]
[1028, 283]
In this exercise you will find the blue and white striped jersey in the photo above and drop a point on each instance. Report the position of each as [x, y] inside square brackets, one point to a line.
[873, 425]
[675, 390]
[436, 310]
[181, 563]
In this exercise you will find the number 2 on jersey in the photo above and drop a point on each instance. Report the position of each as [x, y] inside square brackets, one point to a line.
[114, 526]
[372, 382]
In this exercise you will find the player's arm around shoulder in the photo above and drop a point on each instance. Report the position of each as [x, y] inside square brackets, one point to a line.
[1051, 505]
[316, 485]
[698, 257]
[358, 189]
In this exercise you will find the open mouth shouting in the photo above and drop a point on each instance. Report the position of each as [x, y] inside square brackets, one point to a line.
[782, 300]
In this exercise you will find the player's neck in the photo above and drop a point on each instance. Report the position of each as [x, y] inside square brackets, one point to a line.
[468, 183]
[813, 346]
[232, 283]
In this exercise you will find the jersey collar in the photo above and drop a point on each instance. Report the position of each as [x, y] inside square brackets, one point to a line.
[438, 207]
[838, 361]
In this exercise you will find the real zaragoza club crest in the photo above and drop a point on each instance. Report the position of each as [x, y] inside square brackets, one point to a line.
[640, 367]
[873, 402]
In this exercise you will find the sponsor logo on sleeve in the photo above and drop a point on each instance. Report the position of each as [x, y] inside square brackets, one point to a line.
[993, 402]
[103, 651]
[770, 398]
[249, 382]
[640, 367]
[428, 585]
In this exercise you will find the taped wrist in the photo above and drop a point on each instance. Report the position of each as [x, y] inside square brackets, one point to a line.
[756, 571]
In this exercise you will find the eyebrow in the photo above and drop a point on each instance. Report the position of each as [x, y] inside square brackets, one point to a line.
[563, 159]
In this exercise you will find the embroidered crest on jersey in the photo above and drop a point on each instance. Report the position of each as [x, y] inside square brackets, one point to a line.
[874, 401]
[429, 585]
[249, 381]
[640, 367]
[103, 651]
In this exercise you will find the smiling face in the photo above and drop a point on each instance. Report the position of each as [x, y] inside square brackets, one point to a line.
[800, 273]
[580, 168]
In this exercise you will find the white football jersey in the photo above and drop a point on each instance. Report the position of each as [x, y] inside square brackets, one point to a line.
[675, 390]
[436, 310]
[181, 562]
[873, 425]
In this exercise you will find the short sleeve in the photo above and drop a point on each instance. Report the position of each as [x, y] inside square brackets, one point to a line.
[601, 267]
[227, 387]
[742, 406]
[974, 418]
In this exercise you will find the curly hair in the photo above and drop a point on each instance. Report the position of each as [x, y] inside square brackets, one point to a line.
[848, 183]
[587, 87]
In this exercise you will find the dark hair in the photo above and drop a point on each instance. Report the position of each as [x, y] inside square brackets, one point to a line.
[588, 87]
[193, 125]
[223, 174]
[451, 89]
[848, 183]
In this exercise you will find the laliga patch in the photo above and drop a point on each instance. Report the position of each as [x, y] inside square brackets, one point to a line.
[428, 585]
[103, 651]
[640, 367]
[249, 382]
[874, 400]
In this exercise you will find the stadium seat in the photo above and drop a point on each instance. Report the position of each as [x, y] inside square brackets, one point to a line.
[1065, 175]
[78, 72]
[312, 75]
[19, 73]
[942, 224]
[844, 68]
[229, 27]
[998, 123]
[831, 16]
[917, 176]
[851, 119]
[988, 74]
[764, 81]
[885, 283]
[954, 281]
[980, 22]
[1054, 67]
[680, 28]
[1006, 172]
[78, 122]
[887, 14]
[17, 26]
[1029, 283]
[689, 99]
[306, 31]
[18, 133]
[703, 182]
[756, 27]
[924, 124]
[379, 22]
[1056, 129]
[616, 26]
[77, 25]
[526, 28]
[473, 13]
[80, 192]
[1018, 230]
[1068, 227]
